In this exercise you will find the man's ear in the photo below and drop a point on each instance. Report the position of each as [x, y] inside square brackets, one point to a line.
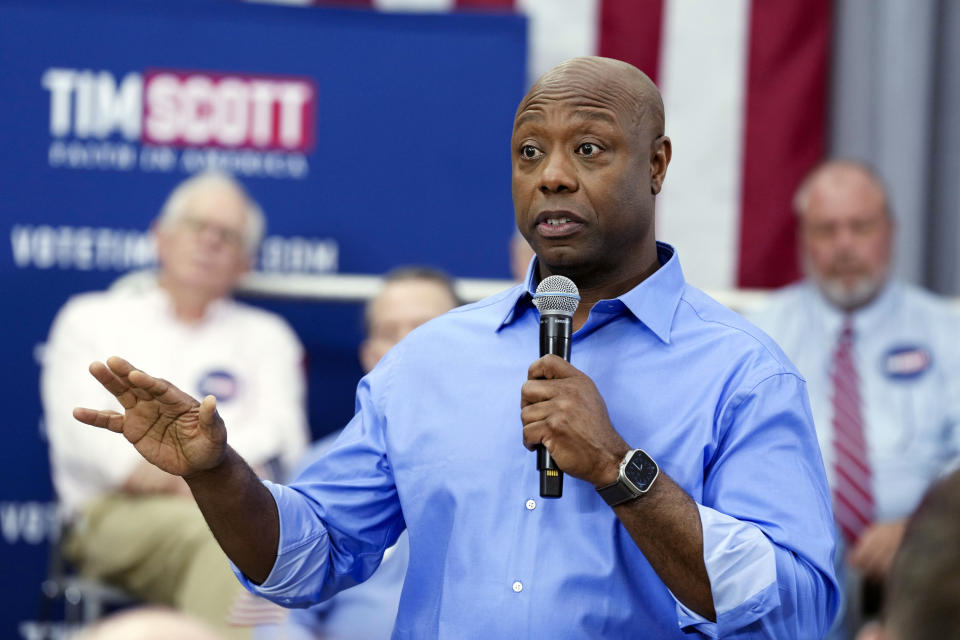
[247, 266]
[367, 357]
[158, 235]
[661, 151]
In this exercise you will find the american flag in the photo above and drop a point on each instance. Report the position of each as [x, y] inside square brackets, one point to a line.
[745, 89]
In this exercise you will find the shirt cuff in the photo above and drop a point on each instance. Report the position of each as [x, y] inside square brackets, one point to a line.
[742, 568]
[288, 584]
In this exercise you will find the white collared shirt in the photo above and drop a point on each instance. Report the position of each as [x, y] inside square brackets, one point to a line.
[248, 358]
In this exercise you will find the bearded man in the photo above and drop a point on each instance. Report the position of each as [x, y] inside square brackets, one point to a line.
[882, 365]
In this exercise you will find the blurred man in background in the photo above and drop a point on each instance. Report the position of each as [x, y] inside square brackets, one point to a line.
[882, 364]
[409, 297]
[130, 523]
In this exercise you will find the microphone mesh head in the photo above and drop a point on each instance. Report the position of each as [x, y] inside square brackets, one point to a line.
[557, 294]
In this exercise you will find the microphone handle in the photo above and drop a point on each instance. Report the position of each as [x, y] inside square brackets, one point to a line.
[555, 330]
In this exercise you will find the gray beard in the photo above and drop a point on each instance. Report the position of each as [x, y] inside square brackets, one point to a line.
[862, 292]
[842, 297]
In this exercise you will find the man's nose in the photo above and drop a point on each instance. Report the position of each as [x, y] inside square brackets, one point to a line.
[844, 237]
[558, 174]
[212, 235]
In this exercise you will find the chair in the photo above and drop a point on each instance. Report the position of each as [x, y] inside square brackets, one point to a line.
[85, 600]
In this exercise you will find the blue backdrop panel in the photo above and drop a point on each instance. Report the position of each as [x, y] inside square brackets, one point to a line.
[382, 139]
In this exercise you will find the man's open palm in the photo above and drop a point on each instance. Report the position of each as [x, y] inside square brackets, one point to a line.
[168, 427]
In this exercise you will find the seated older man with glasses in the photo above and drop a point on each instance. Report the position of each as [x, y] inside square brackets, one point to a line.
[131, 524]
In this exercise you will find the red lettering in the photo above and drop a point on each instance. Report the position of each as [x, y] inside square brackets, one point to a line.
[199, 109]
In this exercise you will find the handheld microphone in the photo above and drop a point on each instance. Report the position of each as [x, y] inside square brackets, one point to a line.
[556, 299]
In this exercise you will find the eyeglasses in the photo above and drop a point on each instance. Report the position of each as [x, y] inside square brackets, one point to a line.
[223, 234]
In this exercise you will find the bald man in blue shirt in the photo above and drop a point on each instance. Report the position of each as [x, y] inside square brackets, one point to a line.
[732, 538]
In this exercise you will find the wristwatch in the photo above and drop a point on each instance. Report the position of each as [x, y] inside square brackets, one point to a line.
[638, 472]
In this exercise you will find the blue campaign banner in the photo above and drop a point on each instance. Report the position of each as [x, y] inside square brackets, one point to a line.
[370, 139]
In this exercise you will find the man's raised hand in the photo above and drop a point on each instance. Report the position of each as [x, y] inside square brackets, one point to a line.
[168, 427]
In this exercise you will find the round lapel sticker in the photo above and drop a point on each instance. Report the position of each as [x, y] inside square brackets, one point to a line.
[906, 362]
[219, 383]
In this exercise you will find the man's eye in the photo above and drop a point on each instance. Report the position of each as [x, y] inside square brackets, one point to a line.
[529, 152]
[588, 149]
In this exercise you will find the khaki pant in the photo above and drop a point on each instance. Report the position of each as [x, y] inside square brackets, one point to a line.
[159, 549]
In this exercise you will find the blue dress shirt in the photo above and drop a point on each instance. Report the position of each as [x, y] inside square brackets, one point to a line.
[436, 447]
[363, 612]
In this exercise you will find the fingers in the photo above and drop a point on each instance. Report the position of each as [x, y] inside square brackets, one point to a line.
[141, 384]
[150, 387]
[551, 367]
[534, 391]
[860, 551]
[536, 423]
[115, 378]
[208, 411]
[874, 552]
[535, 412]
[534, 434]
[104, 419]
[119, 366]
[119, 387]
[561, 395]
[868, 563]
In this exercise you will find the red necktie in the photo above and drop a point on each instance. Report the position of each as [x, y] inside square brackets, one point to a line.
[852, 494]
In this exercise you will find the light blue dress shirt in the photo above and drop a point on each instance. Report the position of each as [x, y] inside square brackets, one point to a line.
[363, 612]
[436, 447]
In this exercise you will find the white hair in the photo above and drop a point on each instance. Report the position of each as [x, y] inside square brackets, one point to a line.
[176, 205]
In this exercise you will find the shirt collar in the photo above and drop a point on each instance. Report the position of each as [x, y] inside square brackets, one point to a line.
[864, 319]
[520, 298]
[654, 301]
[159, 298]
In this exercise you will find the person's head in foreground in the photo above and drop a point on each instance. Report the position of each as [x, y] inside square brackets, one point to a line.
[409, 297]
[846, 232]
[149, 623]
[923, 590]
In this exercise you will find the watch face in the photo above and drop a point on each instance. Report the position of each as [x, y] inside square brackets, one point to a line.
[641, 470]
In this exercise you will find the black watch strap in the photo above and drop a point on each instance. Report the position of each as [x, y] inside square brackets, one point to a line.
[616, 493]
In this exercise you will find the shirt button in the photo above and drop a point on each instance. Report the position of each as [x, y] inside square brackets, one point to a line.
[518, 586]
[531, 504]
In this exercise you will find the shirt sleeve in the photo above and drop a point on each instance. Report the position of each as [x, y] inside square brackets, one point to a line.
[339, 516]
[768, 538]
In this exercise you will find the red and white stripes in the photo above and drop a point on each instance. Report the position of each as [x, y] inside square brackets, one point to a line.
[744, 84]
[852, 492]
